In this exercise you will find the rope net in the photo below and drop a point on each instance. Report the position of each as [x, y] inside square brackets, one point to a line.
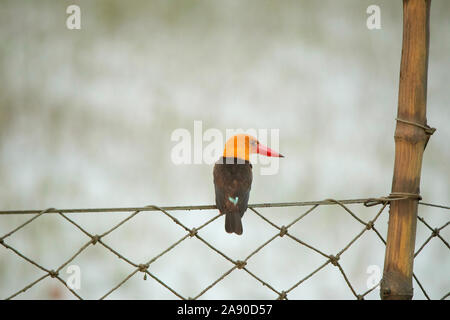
[234, 265]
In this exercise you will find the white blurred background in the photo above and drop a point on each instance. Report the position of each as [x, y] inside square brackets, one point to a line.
[86, 118]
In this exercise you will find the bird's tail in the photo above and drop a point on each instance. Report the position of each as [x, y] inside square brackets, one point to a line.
[233, 223]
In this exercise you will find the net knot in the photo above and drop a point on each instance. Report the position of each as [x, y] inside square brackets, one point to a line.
[95, 239]
[435, 232]
[1, 241]
[334, 260]
[240, 264]
[283, 231]
[369, 225]
[143, 267]
[53, 273]
[360, 297]
[429, 131]
[282, 295]
[386, 292]
[193, 232]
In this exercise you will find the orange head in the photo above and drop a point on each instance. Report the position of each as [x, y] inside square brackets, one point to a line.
[243, 145]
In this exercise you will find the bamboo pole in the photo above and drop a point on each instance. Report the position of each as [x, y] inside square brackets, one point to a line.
[411, 137]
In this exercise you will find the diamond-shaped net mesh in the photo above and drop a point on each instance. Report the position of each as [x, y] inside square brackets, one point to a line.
[279, 231]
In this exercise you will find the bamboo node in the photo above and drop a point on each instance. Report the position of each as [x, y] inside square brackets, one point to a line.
[428, 130]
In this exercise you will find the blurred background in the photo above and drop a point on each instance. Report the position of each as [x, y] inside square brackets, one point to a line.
[86, 118]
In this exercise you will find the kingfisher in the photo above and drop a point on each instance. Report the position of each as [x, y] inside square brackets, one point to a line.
[233, 178]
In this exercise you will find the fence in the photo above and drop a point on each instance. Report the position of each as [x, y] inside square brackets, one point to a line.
[281, 231]
[411, 137]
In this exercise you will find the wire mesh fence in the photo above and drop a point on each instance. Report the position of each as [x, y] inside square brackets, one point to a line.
[279, 231]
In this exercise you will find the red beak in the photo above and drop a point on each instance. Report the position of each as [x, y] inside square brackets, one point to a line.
[266, 151]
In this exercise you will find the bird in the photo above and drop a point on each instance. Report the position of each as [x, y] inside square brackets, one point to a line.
[233, 178]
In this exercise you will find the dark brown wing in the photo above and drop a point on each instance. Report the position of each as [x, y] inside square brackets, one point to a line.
[232, 182]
